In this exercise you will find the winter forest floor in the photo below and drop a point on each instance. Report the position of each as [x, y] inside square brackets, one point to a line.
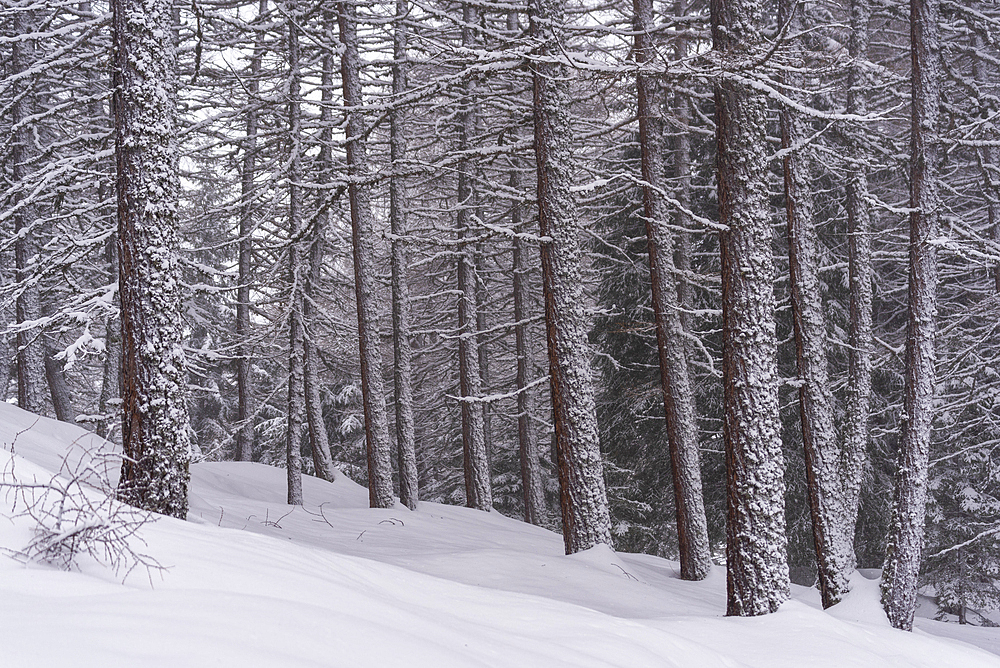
[250, 581]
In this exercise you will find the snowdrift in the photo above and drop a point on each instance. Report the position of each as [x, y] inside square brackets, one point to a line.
[250, 581]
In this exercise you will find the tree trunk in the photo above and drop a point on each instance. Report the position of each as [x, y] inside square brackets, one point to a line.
[478, 487]
[532, 488]
[379, 449]
[902, 559]
[30, 350]
[297, 269]
[402, 352]
[62, 397]
[244, 435]
[756, 566]
[833, 535]
[678, 397]
[583, 499]
[319, 441]
[859, 225]
[155, 428]
[682, 172]
[527, 437]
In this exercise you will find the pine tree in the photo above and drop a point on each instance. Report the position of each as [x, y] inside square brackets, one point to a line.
[902, 563]
[155, 431]
[583, 498]
[756, 567]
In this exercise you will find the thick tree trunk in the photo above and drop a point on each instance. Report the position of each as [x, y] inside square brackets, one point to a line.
[902, 560]
[583, 498]
[155, 428]
[859, 225]
[30, 350]
[244, 435]
[297, 269]
[756, 566]
[406, 456]
[379, 448]
[678, 397]
[478, 487]
[833, 535]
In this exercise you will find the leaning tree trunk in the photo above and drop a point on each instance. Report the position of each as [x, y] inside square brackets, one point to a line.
[155, 427]
[678, 395]
[833, 534]
[406, 455]
[756, 565]
[582, 495]
[478, 487]
[30, 351]
[859, 226]
[244, 434]
[902, 559]
[296, 269]
[379, 449]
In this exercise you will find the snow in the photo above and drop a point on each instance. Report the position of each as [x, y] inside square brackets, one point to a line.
[253, 582]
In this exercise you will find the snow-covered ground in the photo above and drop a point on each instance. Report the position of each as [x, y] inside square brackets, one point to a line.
[252, 582]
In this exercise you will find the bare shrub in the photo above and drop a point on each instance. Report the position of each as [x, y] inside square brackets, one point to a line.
[74, 514]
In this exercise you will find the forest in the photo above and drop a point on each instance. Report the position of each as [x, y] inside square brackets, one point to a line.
[713, 281]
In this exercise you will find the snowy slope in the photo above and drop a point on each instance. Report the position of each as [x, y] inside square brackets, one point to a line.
[253, 582]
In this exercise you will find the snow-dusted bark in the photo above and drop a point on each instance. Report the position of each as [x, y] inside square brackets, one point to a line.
[319, 442]
[24, 152]
[583, 499]
[678, 395]
[902, 560]
[111, 378]
[155, 426]
[682, 174]
[756, 566]
[532, 488]
[859, 224]
[244, 436]
[406, 457]
[478, 486]
[833, 533]
[379, 448]
[297, 268]
[62, 397]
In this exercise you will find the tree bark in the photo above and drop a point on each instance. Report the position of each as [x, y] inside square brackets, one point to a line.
[379, 449]
[155, 429]
[756, 566]
[62, 397]
[859, 226]
[833, 535]
[406, 455]
[319, 441]
[902, 560]
[297, 268]
[678, 396]
[478, 486]
[583, 499]
[244, 434]
[24, 152]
